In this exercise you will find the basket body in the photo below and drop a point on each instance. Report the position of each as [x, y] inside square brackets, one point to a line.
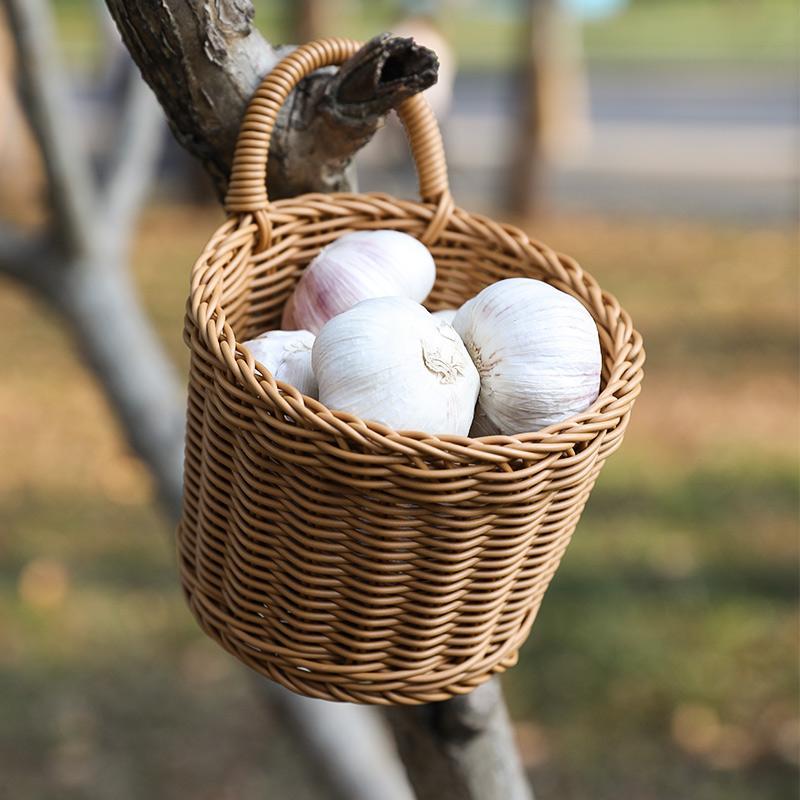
[347, 561]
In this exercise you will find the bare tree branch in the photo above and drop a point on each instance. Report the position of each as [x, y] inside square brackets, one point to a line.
[333, 114]
[205, 60]
[96, 299]
[133, 162]
[52, 120]
[119, 344]
[366, 765]
[461, 749]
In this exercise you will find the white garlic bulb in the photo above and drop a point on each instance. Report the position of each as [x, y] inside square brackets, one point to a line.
[356, 267]
[537, 351]
[389, 360]
[446, 315]
[287, 355]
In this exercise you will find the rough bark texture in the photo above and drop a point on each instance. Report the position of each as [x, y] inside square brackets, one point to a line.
[462, 749]
[204, 60]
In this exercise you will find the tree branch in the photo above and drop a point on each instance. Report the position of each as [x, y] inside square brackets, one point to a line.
[333, 114]
[365, 766]
[96, 299]
[132, 164]
[461, 749]
[204, 60]
[120, 346]
[46, 100]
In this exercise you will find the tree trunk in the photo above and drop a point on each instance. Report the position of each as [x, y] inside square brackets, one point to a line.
[309, 19]
[551, 90]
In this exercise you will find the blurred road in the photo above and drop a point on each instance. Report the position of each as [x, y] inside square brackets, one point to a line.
[719, 142]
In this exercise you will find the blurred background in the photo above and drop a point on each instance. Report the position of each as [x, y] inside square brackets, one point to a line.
[654, 140]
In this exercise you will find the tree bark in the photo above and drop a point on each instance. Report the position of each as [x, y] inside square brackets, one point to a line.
[204, 60]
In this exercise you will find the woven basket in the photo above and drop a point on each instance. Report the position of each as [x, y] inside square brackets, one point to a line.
[340, 558]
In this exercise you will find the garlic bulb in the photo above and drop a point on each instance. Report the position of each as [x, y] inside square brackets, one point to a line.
[287, 355]
[446, 315]
[537, 351]
[358, 266]
[389, 360]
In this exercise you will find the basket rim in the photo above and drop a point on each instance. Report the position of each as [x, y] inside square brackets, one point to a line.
[613, 403]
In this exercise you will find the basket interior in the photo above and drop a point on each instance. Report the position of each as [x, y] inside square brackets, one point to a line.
[255, 293]
[461, 272]
[256, 288]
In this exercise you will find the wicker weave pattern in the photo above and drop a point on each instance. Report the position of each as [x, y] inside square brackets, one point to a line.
[345, 560]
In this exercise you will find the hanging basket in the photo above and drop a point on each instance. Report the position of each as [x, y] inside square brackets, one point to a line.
[341, 558]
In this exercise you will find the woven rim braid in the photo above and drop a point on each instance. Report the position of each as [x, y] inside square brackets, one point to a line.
[340, 558]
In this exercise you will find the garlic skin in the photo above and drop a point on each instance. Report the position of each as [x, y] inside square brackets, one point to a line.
[356, 267]
[287, 355]
[446, 315]
[537, 351]
[389, 360]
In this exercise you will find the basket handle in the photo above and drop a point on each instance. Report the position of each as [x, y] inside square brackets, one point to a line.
[247, 188]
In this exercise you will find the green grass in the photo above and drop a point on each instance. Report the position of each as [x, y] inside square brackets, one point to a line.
[662, 665]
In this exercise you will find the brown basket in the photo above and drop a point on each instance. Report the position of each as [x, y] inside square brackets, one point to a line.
[340, 558]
